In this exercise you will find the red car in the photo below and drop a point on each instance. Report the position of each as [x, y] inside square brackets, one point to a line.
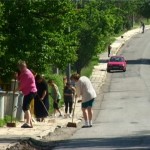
[116, 63]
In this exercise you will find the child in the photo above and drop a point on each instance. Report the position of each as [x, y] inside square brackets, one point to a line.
[55, 94]
[68, 98]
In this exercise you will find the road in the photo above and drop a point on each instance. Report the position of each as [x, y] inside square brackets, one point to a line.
[123, 119]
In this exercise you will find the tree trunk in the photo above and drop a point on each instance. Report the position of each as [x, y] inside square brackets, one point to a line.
[78, 68]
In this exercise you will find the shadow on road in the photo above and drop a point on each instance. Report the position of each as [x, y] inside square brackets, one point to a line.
[132, 142]
[138, 61]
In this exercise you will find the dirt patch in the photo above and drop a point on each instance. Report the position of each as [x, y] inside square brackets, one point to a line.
[62, 133]
[23, 145]
[48, 142]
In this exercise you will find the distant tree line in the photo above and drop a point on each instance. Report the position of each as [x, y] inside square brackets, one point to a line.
[49, 33]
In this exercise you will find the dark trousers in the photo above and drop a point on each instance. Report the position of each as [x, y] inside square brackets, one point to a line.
[27, 100]
[108, 53]
[68, 104]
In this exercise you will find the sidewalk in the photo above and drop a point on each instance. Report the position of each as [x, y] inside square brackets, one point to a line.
[10, 136]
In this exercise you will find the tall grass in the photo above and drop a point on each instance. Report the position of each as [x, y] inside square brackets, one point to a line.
[87, 71]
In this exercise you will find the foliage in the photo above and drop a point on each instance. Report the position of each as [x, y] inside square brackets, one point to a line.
[53, 33]
[99, 21]
[145, 9]
[36, 32]
[88, 42]
[2, 23]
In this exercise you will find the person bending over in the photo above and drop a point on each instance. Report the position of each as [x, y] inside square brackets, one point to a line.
[85, 89]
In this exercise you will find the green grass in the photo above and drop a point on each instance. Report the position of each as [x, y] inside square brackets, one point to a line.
[87, 71]
[2, 122]
[6, 119]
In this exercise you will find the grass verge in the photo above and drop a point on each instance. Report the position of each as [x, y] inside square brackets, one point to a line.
[87, 71]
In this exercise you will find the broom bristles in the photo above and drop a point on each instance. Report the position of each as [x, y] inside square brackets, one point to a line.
[11, 124]
[71, 124]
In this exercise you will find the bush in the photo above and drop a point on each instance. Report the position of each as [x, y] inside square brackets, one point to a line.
[128, 25]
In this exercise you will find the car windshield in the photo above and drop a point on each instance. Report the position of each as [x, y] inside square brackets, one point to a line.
[116, 59]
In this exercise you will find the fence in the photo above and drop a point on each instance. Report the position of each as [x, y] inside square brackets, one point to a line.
[11, 105]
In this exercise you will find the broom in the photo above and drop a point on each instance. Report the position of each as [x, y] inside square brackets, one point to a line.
[43, 105]
[12, 124]
[73, 124]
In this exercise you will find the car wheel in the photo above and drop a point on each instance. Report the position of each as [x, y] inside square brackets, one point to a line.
[124, 70]
[108, 70]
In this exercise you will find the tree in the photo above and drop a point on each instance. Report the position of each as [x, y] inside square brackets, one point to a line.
[36, 32]
[87, 37]
[2, 23]
[54, 33]
[98, 21]
[145, 9]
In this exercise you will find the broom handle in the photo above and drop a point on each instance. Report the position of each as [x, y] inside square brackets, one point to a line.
[74, 109]
[45, 107]
[43, 104]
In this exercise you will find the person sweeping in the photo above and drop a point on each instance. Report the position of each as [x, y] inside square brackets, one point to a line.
[55, 94]
[28, 87]
[85, 89]
[42, 99]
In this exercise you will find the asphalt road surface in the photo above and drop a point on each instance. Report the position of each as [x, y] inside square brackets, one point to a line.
[123, 107]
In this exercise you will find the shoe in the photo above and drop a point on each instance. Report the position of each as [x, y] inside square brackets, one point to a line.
[26, 126]
[43, 120]
[90, 125]
[70, 115]
[38, 119]
[85, 126]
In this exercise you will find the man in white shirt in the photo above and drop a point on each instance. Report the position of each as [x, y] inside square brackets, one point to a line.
[85, 89]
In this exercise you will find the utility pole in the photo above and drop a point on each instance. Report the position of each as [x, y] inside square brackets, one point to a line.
[68, 71]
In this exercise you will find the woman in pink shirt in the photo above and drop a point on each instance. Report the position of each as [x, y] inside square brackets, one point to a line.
[28, 87]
